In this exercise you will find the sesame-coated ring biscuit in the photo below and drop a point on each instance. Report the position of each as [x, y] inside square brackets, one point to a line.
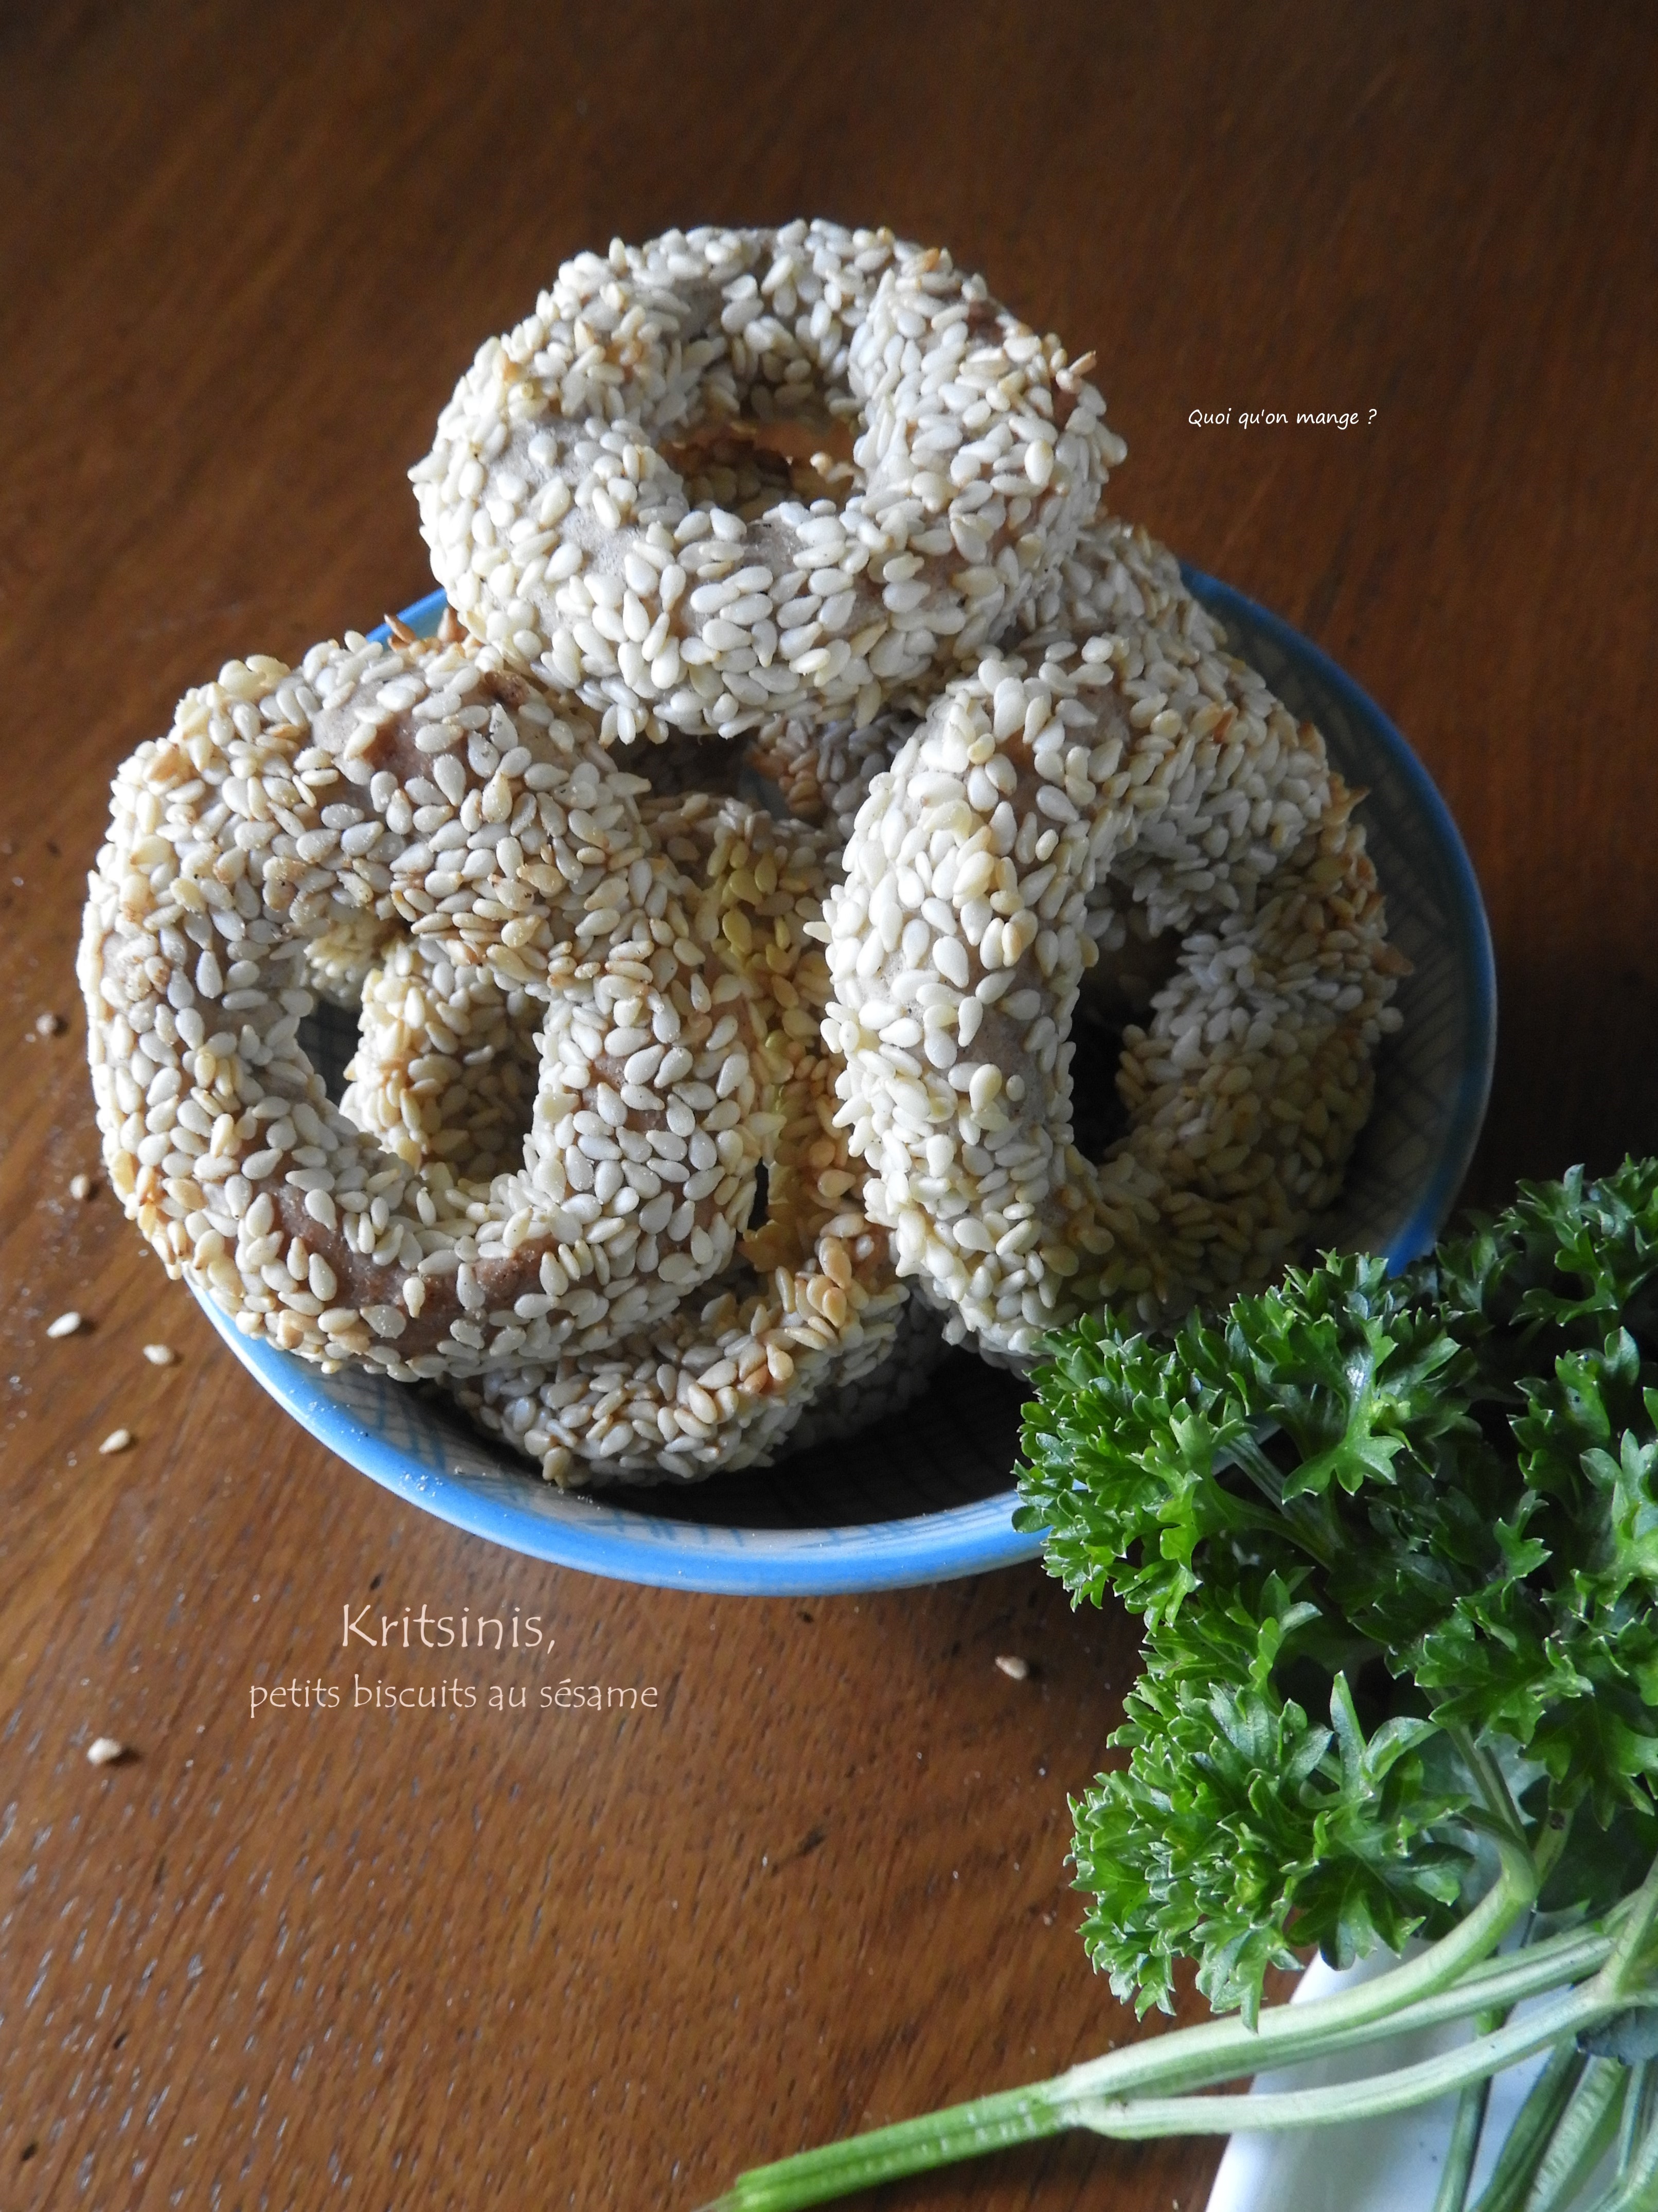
[455, 804]
[1135, 771]
[811, 1307]
[732, 474]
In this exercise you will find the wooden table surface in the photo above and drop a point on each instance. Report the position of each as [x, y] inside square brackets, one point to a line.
[516, 1957]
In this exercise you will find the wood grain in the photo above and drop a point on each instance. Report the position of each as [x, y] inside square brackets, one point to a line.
[480, 1958]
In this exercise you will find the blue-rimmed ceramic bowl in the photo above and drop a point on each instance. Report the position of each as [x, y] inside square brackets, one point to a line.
[926, 1496]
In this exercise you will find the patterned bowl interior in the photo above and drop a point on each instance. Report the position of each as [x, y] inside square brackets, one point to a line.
[926, 1495]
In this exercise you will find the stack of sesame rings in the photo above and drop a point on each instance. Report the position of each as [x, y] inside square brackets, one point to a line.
[1132, 773]
[452, 804]
[812, 1306]
[734, 474]
[677, 1067]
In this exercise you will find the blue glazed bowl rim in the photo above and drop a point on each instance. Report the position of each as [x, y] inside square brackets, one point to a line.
[601, 1538]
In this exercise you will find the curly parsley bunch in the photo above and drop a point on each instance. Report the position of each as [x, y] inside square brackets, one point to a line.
[1367, 1523]
[1394, 1541]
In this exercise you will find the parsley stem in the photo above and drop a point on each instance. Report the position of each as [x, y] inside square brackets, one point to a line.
[1587, 2130]
[1022, 2116]
[1636, 2190]
[1623, 1969]
[1533, 2126]
[1491, 1989]
[1499, 1805]
[1135, 2118]
[1466, 2128]
[1637, 2115]
[1191, 2058]
[1280, 2033]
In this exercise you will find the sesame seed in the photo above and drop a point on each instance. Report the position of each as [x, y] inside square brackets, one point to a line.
[65, 1325]
[118, 1440]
